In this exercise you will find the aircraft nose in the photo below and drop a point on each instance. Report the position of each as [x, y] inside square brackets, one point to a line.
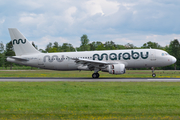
[173, 60]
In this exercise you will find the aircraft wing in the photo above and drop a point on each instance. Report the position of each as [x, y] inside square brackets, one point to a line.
[86, 61]
[91, 63]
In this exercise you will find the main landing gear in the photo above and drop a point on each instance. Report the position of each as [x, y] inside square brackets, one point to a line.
[153, 74]
[95, 75]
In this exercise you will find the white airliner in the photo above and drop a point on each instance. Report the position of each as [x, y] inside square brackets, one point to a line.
[112, 61]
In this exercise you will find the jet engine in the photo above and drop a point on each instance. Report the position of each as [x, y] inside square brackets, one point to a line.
[117, 69]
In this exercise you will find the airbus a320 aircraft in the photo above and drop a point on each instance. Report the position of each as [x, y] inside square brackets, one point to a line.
[112, 61]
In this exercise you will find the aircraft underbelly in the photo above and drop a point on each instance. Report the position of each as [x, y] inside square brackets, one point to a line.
[135, 63]
[61, 66]
[56, 66]
[72, 66]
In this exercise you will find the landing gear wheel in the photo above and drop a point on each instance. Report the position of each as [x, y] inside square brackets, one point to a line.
[154, 75]
[95, 75]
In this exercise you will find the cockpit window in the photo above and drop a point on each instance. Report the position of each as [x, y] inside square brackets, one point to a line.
[164, 54]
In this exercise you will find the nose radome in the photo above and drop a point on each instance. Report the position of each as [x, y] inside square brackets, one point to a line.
[173, 60]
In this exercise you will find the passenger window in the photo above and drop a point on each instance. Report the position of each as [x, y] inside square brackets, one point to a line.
[162, 54]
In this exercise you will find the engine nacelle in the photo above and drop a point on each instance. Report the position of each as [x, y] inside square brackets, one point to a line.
[117, 69]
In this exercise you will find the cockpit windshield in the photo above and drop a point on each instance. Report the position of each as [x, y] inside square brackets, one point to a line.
[165, 54]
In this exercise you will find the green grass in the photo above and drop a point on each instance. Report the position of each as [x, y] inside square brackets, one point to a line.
[87, 74]
[90, 100]
[19, 68]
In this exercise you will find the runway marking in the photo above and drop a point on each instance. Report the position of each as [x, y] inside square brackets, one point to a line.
[89, 80]
[170, 79]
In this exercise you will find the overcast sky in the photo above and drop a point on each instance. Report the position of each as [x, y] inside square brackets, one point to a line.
[122, 21]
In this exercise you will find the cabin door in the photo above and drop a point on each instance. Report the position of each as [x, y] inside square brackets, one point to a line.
[153, 56]
[40, 61]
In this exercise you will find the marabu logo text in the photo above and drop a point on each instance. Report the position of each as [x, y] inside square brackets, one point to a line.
[125, 56]
[18, 41]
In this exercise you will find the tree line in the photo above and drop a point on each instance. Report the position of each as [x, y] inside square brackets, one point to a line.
[173, 49]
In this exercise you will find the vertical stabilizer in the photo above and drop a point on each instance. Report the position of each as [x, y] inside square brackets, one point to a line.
[21, 45]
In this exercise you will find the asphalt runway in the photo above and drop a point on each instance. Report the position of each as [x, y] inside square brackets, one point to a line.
[92, 80]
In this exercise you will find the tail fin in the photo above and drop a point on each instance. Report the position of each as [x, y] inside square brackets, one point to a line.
[21, 45]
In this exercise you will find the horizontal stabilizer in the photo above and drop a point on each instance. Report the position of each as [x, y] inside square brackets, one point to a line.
[18, 58]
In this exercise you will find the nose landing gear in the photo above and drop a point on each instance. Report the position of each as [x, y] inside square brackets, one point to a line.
[153, 74]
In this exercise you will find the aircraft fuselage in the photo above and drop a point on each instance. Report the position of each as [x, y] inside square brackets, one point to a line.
[132, 58]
